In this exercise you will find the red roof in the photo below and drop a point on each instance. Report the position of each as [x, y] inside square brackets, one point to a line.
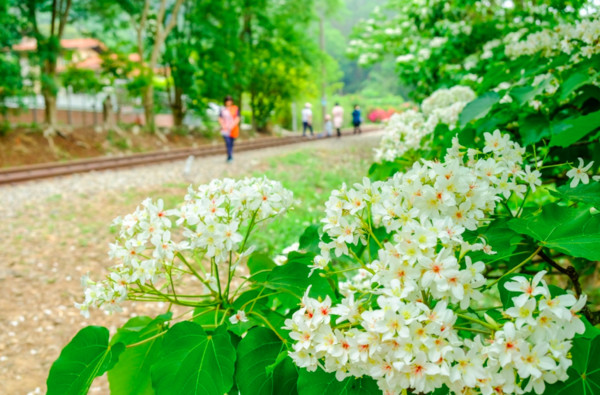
[30, 44]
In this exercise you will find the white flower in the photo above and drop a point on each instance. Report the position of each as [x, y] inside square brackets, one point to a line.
[579, 173]
[240, 316]
[532, 178]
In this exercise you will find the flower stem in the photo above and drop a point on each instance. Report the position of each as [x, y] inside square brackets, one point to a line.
[514, 269]
[477, 321]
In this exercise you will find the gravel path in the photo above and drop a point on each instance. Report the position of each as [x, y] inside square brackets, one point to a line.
[53, 231]
[195, 170]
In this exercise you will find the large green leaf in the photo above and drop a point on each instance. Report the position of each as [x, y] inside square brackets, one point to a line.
[320, 382]
[309, 240]
[131, 375]
[260, 265]
[292, 279]
[194, 362]
[584, 375]
[587, 193]
[574, 231]
[524, 94]
[259, 368]
[86, 357]
[569, 131]
[384, 170]
[534, 128]
[572, 83]
[478, 108]
[499, 236]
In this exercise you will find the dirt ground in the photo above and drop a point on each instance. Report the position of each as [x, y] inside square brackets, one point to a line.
[45, 248]
[24, 146]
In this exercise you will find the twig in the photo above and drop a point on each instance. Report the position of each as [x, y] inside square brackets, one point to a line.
[592, 317]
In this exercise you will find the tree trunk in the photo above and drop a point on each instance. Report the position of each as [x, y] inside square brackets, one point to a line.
[50, 107]
[49, 90]
[177, 107]
[148, 102]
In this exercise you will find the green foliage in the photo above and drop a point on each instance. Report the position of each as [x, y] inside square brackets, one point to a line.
[320, 382]
[259, 368]
[194, 362]
[478, 108]
[585, 193]
[293, 278]
[81, 80]
[131, 375]
[584, 375]
[574, 231]
[86, 357]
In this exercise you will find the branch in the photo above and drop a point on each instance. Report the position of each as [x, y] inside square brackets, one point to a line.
[140, 30]
[63, 18]
[160, 17]
[592, 317]
[33, 19]
[53, 17]
[569, 271]
[173, 20]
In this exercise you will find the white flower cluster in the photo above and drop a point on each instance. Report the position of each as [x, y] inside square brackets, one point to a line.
[405, 131]
[446, 104]
[399, 321]
[579, 39]
[211, 224]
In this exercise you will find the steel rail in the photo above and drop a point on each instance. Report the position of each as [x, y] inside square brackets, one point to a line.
[46, 170]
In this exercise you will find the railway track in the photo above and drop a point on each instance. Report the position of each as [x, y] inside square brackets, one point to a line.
[46, 170]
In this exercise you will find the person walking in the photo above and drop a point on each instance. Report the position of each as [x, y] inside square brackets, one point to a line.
[356, 119]
[328, 126]
[338, 118]
[229, 119]
[307, 119]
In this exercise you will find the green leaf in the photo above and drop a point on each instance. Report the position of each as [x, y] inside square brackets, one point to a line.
[574, 231]
[572, 83]
[207, 315]
[260, 266]
[131, 375]
[320, 382]
[571, 130]
[584, 375]
[257, 351]
[305, 258]
[292, 278]
[384, 170]
[587, 193]
[478, 108]
[86, 357]
[534, 128]
[499, 236]
[194, 362]
[309, 240]
[523, 94]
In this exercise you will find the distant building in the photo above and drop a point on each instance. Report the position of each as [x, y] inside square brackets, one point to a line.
[82, 53]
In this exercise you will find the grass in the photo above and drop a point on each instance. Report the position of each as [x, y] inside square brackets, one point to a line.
[311, 176]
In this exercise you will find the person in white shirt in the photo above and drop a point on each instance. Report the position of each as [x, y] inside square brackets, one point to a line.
[307, 119]
[338, 118]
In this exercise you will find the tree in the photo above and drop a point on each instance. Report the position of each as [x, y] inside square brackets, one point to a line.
[279, 57]
[48, 46]
[434, 42]
[150, 40]
[11, 83]
[200, 53]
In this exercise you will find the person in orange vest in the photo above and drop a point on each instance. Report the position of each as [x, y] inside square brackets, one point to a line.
[229, 119]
